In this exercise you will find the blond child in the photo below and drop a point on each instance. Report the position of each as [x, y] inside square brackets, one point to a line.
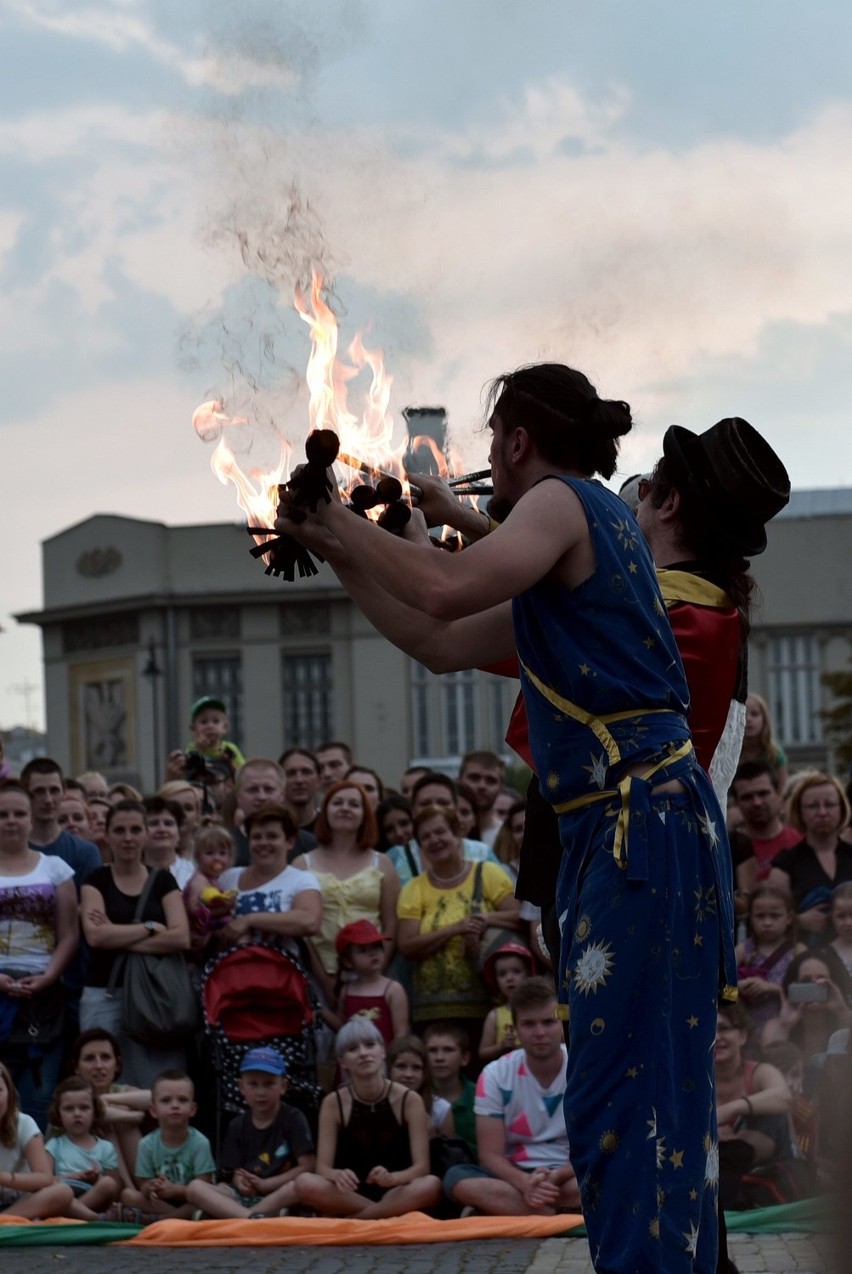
[208, 905]
[28, 1186]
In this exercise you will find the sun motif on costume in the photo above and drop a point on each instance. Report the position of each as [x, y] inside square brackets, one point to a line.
[705, 903]
[708, 828]
[609, 1141]
[597, 770]
[711, 1170]
[692, 1239]
[584, 928]
[593, 967]
[625, 534]
[661, 1151]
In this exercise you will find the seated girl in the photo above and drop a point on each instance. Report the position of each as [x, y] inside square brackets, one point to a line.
[373, 1151]
[96, 1057]
[408, 1065]
[81, 1160]
[28, 1187]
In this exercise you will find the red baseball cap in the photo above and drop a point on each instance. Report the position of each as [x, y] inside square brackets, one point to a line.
[358, 933]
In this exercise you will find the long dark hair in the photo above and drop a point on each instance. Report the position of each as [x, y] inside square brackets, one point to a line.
[723, 564]
[560, 409]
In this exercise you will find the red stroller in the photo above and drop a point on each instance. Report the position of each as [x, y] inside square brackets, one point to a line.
[259, 994]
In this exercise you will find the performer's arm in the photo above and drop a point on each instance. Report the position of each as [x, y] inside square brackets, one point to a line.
[545, 524]
[440, 645]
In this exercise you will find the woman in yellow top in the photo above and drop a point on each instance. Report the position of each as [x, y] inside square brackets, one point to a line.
[355, 881]
[442, 924]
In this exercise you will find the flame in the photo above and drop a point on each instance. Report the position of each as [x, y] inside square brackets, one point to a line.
[368, 437]
[257, 488]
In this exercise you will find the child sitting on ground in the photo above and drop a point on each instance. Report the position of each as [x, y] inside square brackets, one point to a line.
[265, 1149]
[86, 1163]
[408, 1065]
[448, 1052]
[503, 972]
[96, 1057]
[172, 1156]
[28, 1187]
[366, 991]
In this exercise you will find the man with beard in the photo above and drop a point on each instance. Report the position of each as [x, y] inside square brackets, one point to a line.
[644, 898]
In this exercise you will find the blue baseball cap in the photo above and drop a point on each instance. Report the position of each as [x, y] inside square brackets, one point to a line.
[264, 1059]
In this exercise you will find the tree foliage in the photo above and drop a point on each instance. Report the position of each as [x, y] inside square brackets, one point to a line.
[837, 720]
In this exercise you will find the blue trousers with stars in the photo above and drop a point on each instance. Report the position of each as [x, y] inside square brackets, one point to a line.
[640, 973]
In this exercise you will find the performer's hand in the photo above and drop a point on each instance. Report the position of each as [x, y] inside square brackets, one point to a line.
[437, 504]
[309, 529]
[416, 528]
[441, 508]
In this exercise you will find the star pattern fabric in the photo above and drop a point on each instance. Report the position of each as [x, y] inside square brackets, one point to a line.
[644, 899]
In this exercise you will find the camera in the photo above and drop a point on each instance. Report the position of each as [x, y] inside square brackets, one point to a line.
[198, 769]
[807, 993]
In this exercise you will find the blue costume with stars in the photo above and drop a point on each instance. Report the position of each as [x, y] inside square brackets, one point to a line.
[643, 900]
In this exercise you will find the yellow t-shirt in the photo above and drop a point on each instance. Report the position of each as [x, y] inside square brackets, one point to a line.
[447, 984]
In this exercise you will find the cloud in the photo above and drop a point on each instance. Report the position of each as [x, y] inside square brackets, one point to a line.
[126, 26]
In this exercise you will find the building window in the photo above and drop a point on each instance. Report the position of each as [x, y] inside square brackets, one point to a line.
[308, 696]
[458, 690]
[794, 689]
[504, 691]
[222, 677]
[100, 632]
[214, 622]
[420, 682]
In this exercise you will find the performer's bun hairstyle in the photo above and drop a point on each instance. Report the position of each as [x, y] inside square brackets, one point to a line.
[560, 409]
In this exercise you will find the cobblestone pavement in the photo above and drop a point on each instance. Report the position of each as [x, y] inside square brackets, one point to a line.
[753, 1254]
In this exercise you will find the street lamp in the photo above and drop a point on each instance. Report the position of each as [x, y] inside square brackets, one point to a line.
[152, 671]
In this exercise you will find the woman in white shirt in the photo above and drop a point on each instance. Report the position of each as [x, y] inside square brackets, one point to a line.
[38, 937]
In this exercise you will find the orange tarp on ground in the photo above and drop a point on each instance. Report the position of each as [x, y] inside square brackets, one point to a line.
[414, 1227]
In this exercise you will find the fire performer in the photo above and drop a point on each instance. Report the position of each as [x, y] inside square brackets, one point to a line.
[644, 893]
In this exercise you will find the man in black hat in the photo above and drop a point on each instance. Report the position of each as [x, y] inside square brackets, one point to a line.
[704, 512]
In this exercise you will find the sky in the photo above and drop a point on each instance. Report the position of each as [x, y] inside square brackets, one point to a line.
[657, 193]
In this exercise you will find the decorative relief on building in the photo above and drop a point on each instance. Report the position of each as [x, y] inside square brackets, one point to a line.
[96, 562]
[99, 631]
[214, 621]
[298, 618]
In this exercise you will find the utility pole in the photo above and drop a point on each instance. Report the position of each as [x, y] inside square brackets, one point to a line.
[26, 689]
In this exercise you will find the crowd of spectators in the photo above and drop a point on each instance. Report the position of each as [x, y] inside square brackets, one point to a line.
[436, 1034]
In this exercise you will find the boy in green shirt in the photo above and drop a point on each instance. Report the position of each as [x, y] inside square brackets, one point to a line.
[176, 1154]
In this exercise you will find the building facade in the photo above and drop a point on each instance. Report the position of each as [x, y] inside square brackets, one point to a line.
[140, 619]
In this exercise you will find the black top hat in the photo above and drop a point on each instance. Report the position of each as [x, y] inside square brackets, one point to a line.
[734, 474]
